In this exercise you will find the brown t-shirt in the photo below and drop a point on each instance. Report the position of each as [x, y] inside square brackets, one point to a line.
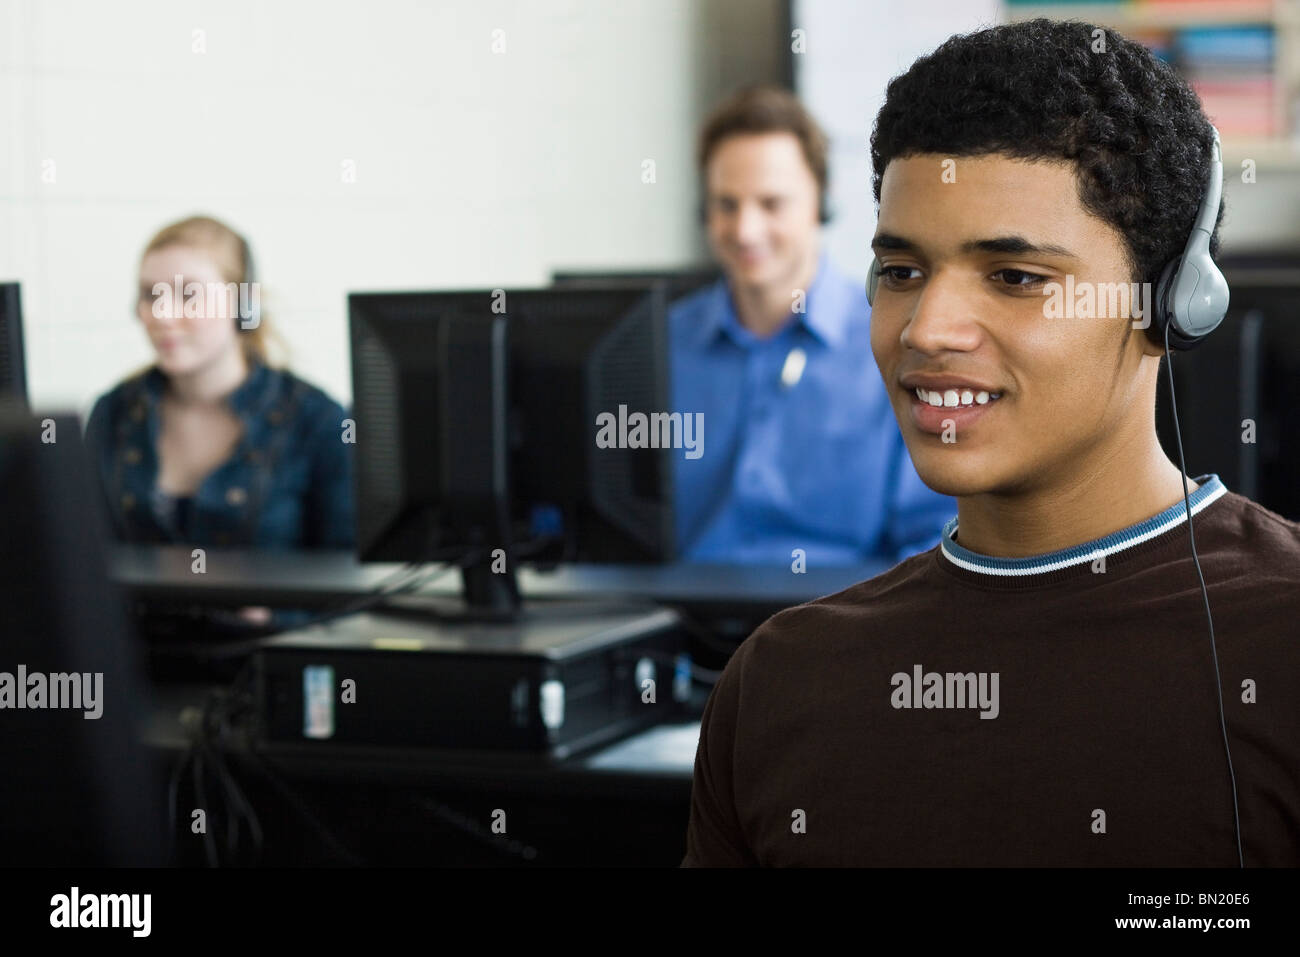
[1058, 710]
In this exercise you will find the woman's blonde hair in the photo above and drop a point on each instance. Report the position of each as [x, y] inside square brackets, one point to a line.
[233, 256]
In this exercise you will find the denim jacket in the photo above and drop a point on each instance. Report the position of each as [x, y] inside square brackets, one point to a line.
[288, 483]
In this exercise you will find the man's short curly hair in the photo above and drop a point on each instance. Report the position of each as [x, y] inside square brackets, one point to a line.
[1038, 90]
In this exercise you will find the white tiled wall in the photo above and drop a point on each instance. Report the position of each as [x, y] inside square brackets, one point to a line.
[473, 168]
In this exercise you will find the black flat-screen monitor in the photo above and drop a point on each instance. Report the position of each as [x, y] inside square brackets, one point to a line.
[80, 787]
[1237, 390]
[13, 375]
[496, 419]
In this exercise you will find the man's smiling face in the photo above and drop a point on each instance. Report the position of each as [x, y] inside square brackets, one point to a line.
[960, 308]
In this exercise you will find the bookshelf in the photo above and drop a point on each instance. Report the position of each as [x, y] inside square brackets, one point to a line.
[1241, 56]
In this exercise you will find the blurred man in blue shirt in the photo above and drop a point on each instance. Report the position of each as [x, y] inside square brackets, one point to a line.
[803, 456]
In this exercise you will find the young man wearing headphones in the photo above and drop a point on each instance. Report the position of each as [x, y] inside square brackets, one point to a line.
[1047, 686]
[802, 456]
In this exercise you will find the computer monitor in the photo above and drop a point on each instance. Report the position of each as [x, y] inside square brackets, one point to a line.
[13, 376]
[1236, 391]
[478, 415]
[80, 787]
[1279, 452]
[679, 282]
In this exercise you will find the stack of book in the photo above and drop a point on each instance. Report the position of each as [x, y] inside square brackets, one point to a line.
[1227, 50]
[1231, 68]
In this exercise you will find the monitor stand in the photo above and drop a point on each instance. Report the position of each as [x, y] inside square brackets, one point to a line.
[486, 596]
[489, 595]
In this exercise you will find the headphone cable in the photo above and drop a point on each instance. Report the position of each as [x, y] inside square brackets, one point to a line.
[1205, 594]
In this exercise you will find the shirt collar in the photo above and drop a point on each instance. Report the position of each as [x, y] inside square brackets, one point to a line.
[246, 399]
[1210, 489]
[831, 303]
[828, 308]
[717, 316]
[252, 392]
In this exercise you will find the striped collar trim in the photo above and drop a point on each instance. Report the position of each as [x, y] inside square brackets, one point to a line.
[1210, 490]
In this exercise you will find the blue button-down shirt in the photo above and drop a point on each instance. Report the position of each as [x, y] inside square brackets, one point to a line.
[288, 483]
[818, 464]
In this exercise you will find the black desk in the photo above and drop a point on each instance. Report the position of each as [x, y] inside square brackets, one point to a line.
[312, 579]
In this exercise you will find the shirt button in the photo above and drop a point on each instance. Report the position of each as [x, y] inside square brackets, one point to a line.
[254, 456]
[223, 538]
[236, 496]
[132, 455]
[128, 501]
[137, 412]
[275, 417]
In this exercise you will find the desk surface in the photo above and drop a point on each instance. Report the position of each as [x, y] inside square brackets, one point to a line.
[313, 579]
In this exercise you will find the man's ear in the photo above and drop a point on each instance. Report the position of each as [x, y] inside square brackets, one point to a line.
[1151, 338]
[1150, 345]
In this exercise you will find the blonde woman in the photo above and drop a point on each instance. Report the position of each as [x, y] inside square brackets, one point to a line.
[211, 445]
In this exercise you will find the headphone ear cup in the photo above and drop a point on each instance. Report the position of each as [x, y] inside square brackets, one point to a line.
[1191, 297]
[254, 317]
[873, 280]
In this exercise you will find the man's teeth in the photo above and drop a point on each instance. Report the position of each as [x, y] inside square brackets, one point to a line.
[956, 398]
